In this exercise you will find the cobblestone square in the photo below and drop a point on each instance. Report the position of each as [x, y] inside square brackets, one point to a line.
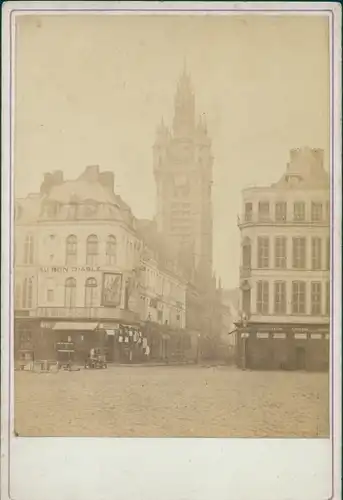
[190, 401]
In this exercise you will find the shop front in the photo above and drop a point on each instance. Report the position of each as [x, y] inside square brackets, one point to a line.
[169, 344]
[27, 339]
[283, 347]
[129, 345]
[84, 336]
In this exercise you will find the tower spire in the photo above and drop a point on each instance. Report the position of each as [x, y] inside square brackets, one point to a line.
[185, 73]
[184, 116]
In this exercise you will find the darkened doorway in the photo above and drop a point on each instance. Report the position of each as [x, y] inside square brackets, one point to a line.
[300, 358]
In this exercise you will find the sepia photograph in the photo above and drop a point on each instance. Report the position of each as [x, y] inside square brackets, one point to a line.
[172, 226]
[172, 219]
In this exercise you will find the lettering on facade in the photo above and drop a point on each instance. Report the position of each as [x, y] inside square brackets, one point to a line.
[72, 269]
[45, 324]
[279, 336]
[262, 335]
[321, 330]
[300, 336]
[316, 336]
[109, 326]
[269, 329]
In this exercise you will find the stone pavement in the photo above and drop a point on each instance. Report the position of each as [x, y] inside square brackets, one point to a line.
[198, 401]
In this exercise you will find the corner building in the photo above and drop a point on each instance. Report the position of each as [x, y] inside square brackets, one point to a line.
[285, 268]
[82, 269]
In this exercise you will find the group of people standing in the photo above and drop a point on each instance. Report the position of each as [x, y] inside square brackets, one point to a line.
[132, 342]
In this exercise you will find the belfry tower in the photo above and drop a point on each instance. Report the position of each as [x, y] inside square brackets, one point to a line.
[183, 174]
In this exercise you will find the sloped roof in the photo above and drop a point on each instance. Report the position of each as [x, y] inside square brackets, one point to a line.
[81, 190]
[158, 243]
[148, 231]
[28, 209]
[305, 171]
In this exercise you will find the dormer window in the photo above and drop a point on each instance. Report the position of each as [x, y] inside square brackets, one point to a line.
[293, 179]
[90, 210]
[51, 208]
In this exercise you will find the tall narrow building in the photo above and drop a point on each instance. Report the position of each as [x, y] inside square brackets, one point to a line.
[183, 173]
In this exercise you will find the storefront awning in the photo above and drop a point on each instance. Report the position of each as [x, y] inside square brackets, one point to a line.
[70, 325]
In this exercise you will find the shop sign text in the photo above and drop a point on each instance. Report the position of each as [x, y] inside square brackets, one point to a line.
[72, 269]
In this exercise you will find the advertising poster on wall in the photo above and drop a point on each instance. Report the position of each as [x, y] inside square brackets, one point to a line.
[111, 289]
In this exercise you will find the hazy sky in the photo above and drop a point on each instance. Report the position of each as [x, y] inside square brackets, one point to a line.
[92, 89]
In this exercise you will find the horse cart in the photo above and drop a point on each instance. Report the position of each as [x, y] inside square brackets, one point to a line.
[96, 359]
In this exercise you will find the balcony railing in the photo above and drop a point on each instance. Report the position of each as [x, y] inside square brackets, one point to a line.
[86, 313]
[249, 219]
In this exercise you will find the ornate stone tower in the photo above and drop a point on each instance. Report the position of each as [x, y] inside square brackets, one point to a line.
[183, 174]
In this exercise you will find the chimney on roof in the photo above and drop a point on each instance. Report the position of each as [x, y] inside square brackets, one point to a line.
[91, 173]
[318, 155]
[50, 180]
[57, 177]
[47, 183]
[106, 179]
[294, 153]
[306, 160]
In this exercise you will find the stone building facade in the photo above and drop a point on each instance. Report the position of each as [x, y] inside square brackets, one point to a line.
[285, 268]
[82, 268]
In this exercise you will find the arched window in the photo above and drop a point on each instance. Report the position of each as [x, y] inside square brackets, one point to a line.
[91, 292]
[71, 250]
[111, 250]
[27, 293]
[70, 292]
[246, 248]
[92, 250]
[28, 249]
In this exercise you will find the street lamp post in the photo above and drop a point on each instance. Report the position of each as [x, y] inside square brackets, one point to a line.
[198, 349]
[243, 324]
